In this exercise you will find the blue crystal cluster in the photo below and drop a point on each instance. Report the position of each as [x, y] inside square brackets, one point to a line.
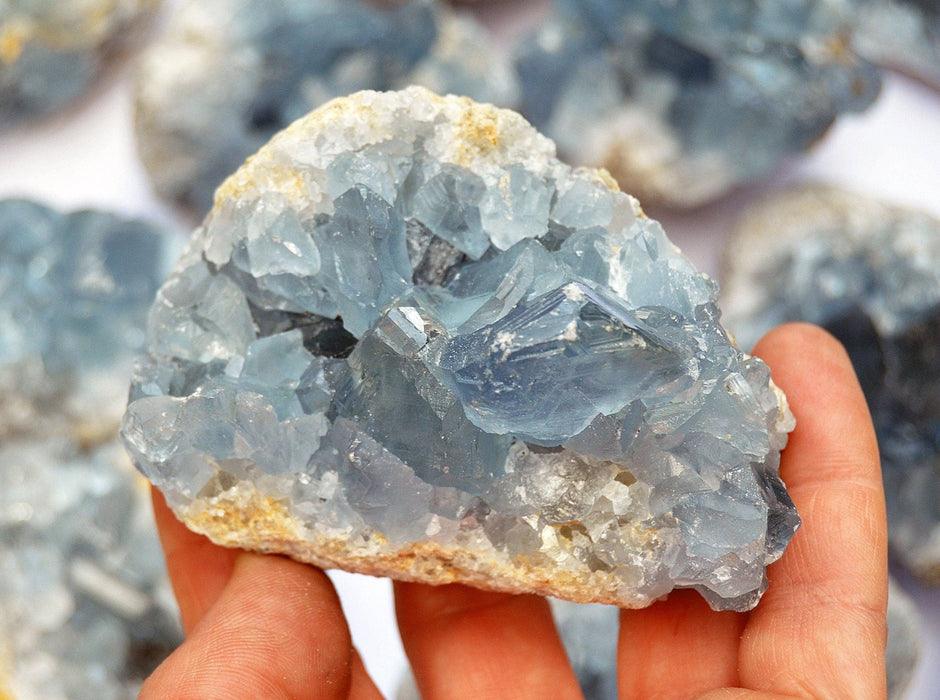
[904, 34]
[684, 100]
[228, 74]
[868, 272]
[407, 326]
[85, 608]
[50, 52]
[74, 291]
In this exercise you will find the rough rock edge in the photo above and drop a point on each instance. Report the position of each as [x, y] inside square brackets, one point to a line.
[259, 523]
[482, 138]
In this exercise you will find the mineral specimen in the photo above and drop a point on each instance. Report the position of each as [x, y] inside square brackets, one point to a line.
[85, 608]
[50, 52]
[74, 293]
[682, 101]
[870, 273]
[904, 34]
[228, 74]
[409, 341]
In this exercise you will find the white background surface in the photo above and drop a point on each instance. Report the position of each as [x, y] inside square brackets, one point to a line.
[86, 158]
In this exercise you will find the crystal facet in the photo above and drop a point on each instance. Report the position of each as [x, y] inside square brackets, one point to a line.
[466, 361]
[228, 74]
[868, 272]
[682, 101]
[50, 52]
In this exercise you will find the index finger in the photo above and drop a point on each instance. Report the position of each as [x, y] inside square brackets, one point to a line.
[821, 625]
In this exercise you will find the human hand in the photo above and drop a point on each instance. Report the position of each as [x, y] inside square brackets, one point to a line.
[267, 627]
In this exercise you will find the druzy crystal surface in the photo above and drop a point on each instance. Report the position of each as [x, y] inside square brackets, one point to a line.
[228, 74]
[870, 273]
[51, 50]
[684, 100]
[409, 341]
[904, 34]
[85, 608]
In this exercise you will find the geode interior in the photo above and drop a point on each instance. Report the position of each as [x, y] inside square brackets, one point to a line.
[409, 341]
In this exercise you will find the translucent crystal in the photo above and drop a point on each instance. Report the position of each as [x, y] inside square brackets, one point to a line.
[868, 272]
[228, 74]
[50, 52]
[682, 101]
[557, 410]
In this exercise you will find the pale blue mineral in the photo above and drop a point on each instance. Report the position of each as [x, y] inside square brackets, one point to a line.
[228, 74]
[85, 607]
[86, 611]
[52, 50]
[870, 273]
[409, 341]
[74, 293]
[684, 100]
[903, 34]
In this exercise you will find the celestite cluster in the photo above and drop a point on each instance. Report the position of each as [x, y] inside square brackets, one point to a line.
[904, 34]
[85, 607]
[684, 100]
[409, 341]
[228, 74]
[870, 273]
[74, 294]
[86, 610]
[52, 50]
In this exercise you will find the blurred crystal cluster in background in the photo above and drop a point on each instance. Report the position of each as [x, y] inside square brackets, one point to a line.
[228, 74]
[85, 608]
[51, 51]
[700, 107]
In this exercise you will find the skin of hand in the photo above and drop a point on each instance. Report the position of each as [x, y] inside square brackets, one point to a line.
[262, 626]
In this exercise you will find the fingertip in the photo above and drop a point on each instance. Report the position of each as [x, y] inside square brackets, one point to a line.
[824, 609]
